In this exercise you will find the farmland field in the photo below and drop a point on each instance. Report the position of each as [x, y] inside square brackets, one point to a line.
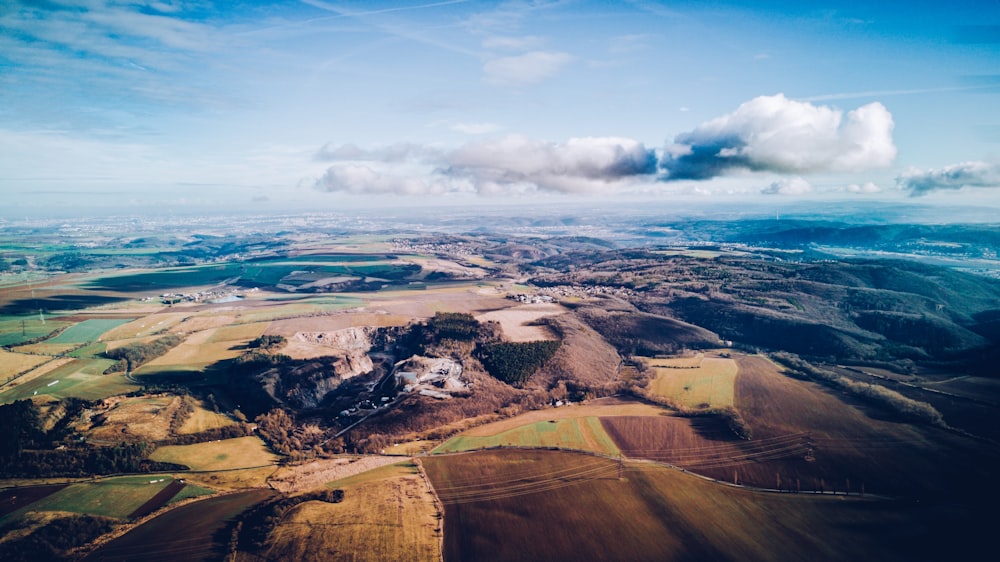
[146, 326]
[13, 499]
[550, 505]
[112, 497]
[855, 441]
[242, 452]
[185, 533]
[710, 384]
[14, 330]
[12, 364]
[583, 433]
[81, 378]
[87, 331]
[387, 514]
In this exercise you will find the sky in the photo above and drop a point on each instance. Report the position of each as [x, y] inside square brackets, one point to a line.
[319, 105]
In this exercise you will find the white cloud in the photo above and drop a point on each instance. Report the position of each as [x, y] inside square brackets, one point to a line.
[773, 133]
[577, 165]
[867, 187]
[362, 179]
[788, 186]
[957, 176]
[509, 165]
[527, 69]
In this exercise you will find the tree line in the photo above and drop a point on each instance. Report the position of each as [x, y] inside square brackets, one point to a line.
[131, 356]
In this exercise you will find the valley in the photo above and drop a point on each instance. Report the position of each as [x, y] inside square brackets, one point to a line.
[316, 394]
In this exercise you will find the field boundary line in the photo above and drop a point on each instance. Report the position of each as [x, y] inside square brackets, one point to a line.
[674, 467]
[438, 504]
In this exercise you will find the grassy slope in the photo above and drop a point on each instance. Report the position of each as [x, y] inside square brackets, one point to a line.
[387, 514]
[242, 452]
[583, 433]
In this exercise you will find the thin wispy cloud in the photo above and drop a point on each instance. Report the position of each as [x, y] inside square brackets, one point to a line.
[887, 93]
[525, 70]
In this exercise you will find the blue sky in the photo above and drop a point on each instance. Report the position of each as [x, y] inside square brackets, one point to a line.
[326, 105]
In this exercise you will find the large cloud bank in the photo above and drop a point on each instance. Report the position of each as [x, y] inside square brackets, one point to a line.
[509, 164]
[776, 134]
[766, 134]
[958, 176]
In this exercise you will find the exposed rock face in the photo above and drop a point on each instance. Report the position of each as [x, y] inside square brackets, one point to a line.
[348, 339]
[429, 374]
[353, 364]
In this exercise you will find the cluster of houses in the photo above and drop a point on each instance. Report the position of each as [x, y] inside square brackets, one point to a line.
[210, 295]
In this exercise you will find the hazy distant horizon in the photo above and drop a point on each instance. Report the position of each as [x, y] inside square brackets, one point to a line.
[145, 107]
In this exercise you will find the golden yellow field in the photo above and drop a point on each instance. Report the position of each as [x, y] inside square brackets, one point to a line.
[387, 514]
[242, 452]
[13, 363]
[147, 326]
[202, 419]
[710, 385]
[200, 349]
[597, 408]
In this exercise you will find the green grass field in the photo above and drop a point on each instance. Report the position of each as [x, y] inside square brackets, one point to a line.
[191, 491]
[88, 330]
[17, 329]
[242, 452]
[585, 434]
[92, 350]
[80, 378]
[113, 497]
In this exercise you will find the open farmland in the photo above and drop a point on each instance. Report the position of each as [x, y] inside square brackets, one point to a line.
[12, 364]
[387, 514]
[549, 505]
[13, 499]
[584, 433]
[519, 322]
[706, 446]
[189, 532]
[146, 326]
[202, 349]
[87, 331]
[710, 384]
[112, 497]
[15, 330]
[79, 378]
[856, 441]
[228, 454]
